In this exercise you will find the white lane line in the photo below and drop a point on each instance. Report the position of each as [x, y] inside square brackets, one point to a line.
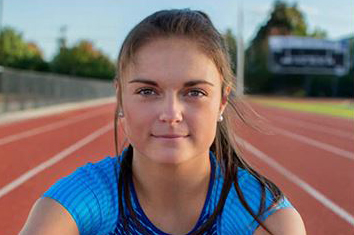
[316, 143]
[48, 127]
[298, 181]
[316, 127]
[50, 162]
[22, 115]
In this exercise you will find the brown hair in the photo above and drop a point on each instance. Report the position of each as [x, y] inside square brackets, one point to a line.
[197, 27]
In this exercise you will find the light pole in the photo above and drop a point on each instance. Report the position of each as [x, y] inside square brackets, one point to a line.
[1, 13]
[240, 51]
[1, 41]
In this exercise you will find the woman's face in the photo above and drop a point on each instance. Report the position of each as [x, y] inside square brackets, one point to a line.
[171, 101]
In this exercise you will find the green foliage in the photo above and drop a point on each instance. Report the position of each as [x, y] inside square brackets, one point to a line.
[286, 20]
[15, 52]
[83, 60]
[318, 33]
[13, 47]
[231, 43]
[295, 20]
[80, 60]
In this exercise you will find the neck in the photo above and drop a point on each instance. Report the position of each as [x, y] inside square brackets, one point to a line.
[171, 185]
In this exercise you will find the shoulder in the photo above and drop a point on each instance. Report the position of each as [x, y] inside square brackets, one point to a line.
[253, 191]
[285, 221]
[249, 189]
[280, 216]
[89, 195]
[49, 217]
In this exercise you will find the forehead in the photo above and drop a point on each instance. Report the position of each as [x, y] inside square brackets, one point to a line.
[172, 61]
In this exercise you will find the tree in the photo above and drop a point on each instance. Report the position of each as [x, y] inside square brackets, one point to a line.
[318, 33]
[83, 60]
[13, 48]
[284, 20]
[15, 52]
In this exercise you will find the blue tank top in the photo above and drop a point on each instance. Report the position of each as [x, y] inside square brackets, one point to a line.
[90, 195]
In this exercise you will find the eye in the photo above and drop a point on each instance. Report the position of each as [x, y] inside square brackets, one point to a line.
[196, 93]
[146, 92]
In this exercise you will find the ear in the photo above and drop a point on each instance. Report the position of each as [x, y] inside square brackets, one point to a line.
[117, 89]
[118, 94]
[115, 85]
[224, 98]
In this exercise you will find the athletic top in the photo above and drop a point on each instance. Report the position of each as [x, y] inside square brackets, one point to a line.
[90, 195]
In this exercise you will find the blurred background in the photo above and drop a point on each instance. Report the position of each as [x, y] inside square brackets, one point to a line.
[294, 65]
[80, 40]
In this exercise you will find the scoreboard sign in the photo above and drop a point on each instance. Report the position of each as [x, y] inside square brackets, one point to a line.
[304, 55]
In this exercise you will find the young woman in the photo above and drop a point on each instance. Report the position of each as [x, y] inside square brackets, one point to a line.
[181, 173]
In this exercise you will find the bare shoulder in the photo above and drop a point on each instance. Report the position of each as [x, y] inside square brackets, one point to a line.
[49, 217]
[286, 221]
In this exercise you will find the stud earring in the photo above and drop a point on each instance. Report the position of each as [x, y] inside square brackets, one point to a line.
[221, 118]
[120, 114]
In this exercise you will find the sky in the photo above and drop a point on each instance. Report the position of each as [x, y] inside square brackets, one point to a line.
[107, 22]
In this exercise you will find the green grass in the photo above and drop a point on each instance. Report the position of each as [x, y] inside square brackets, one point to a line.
[344, 110]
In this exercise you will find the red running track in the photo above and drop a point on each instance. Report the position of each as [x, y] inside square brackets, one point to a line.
[311, 160]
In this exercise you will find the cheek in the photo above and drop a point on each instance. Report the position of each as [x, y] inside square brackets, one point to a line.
[204, 121]
[136, 121]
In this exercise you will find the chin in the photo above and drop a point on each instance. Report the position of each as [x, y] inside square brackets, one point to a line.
[169, 156]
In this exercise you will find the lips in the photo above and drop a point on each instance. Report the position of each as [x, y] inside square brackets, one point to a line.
[170, 136]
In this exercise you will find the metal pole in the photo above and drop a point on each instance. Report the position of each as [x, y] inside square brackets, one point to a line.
[240, 51]
[1, 13]
[1, 41]
[2, 77]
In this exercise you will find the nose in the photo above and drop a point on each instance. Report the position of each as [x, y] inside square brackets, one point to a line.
[171, 110]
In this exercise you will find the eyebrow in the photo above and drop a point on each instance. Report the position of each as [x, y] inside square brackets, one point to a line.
[186, 84]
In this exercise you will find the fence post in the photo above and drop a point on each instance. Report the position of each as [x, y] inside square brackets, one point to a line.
[4, 90]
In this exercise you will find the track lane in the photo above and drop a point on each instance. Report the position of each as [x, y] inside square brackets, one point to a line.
[32, 151]
[18, 202]
[346, 135]
[311, 164]
[20, 126]
[318, 219]
[31, 132]
[338, 123]
[339, 146]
